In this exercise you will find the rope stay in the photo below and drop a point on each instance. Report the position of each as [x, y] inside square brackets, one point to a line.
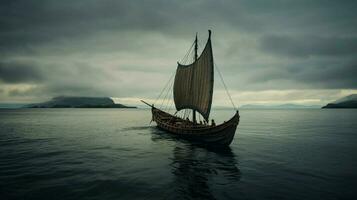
[168, 96]
[165, 97]
[225, 86]
[172, 75]
[188, 53]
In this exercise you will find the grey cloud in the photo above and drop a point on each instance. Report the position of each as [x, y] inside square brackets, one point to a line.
[330, 76]
[28, 23]
[97, 47]
[302, 75]
[17, 72]
[305, 46]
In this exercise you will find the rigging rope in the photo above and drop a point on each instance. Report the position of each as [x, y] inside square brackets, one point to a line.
[171, 106]
[166, 97]
[169, 91]
[225, 86]
[172, 75]
[185, 58]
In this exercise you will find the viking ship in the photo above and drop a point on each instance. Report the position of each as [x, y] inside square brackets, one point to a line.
[193, 91]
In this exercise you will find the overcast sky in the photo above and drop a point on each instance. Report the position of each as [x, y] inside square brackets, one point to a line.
[269, 52]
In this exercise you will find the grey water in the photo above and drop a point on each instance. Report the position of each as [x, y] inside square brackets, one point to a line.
[117, 154]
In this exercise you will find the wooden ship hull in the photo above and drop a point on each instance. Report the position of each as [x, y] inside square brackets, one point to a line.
[221, 134]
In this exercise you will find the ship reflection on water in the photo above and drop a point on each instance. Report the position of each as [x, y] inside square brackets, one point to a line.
[198, 169]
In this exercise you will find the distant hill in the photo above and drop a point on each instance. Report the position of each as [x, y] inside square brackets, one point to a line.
[78, 102]
[11, 105]
[349, 101]
[282, 106]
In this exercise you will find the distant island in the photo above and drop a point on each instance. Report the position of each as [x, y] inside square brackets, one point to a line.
[78, 102]
[349, 101]
[282, 106]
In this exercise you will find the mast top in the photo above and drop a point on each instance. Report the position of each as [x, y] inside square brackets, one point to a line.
[196, 47]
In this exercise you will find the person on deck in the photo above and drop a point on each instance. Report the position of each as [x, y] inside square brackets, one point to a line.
[213, 123]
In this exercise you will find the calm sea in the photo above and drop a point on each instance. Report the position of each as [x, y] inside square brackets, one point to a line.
[116, 154]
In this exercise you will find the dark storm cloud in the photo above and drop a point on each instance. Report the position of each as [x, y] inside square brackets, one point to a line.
[26, 23]
[331, 75]
[260, 44]
[304, 46]
[17, 72]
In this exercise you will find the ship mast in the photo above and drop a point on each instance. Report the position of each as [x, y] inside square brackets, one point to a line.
[193, 110]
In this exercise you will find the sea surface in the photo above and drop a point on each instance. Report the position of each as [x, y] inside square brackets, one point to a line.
[117, 154]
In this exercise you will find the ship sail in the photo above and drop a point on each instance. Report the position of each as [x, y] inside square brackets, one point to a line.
[193, 85]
